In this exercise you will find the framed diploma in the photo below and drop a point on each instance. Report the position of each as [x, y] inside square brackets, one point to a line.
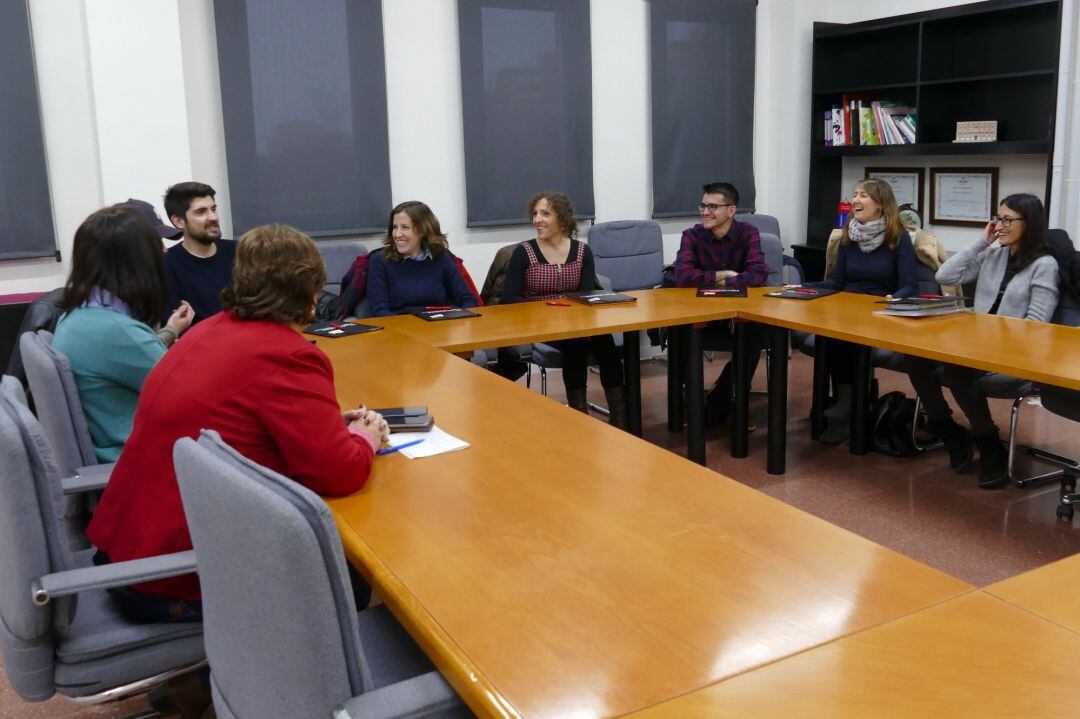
[908, 184]
[963, 196]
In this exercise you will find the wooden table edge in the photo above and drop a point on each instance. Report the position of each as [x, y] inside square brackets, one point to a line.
[471, 684]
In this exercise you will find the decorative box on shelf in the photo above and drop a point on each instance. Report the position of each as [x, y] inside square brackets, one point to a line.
[980, 131]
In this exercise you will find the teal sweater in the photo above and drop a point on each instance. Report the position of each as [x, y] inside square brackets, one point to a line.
[110, 355]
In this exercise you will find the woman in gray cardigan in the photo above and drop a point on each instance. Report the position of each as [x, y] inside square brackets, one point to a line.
[1015, 276]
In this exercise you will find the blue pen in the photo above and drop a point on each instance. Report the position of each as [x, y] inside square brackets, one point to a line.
[388, 450]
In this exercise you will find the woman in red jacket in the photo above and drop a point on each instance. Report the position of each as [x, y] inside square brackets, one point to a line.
[250, 375]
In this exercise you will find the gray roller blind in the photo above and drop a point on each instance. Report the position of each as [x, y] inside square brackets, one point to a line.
[26, 223]
[303, 93]
[702, 100]
[526, 90]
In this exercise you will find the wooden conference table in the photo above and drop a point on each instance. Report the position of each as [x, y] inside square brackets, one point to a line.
[1009, 650]
[560, 567]
[1038, 351]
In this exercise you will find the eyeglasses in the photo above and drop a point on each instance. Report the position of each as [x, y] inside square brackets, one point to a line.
[1006, 222]
[711, 207]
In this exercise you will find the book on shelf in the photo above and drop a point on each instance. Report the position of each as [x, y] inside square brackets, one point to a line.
[860, 120]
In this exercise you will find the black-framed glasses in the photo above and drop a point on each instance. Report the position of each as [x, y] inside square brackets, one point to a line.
[711, 207]
[1005, 222]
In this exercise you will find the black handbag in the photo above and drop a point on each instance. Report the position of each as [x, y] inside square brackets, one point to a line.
[892, 419]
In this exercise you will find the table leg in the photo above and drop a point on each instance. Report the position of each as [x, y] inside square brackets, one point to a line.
[632, 365]
[740, 411]
[675, 379]
[860, 425]
[820, 397]
[695, 396]
[779, 342]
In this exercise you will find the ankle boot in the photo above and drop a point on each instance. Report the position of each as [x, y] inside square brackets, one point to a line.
[993, 461]
[842, 409]
[836, 431]
[577, 400]
[616, 402]
[957, 440]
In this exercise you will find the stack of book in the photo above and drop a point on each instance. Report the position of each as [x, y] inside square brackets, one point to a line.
[861, 121]
[925, 306]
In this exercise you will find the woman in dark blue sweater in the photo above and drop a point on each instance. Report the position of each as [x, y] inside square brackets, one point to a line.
[414, 270]
[875, 257]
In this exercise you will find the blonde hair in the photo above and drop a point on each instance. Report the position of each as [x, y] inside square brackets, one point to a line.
[881, 192]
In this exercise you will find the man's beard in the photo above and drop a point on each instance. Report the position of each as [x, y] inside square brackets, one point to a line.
[204, 239]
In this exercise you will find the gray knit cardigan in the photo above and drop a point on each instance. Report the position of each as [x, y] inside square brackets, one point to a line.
[1032, 294]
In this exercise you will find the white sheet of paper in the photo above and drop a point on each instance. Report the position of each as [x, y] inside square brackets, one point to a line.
[435, 442]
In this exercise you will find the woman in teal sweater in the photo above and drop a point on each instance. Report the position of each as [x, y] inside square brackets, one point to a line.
[117, 291]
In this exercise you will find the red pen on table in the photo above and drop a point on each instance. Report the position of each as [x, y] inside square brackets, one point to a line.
[434, 308]
[806, 292]
[336, 326]
[930, 297]
[557, 304]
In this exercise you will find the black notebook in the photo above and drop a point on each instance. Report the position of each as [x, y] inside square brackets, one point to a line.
[453, 313]
[722, 292]
[600, 298]
[338, 329]
[801, 293]
[922, 303]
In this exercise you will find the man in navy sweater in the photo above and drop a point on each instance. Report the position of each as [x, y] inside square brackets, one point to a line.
[200, 267]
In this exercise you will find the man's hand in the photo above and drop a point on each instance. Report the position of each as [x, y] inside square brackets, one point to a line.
[722, 275]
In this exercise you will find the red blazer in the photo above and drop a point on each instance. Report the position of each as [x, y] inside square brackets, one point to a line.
[267, 391]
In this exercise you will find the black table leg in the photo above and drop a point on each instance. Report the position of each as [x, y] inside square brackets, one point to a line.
[695, 397]
[779, 342]
[632, 364]
[740, 411]
[860, 425]
[675, 379]
[820, 398]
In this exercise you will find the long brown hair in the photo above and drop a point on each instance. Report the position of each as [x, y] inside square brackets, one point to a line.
[426, 224]
[881, 192]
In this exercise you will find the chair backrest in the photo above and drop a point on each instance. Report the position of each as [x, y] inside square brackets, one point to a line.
[279, 618]
[56, 399]
[774, 258]
[763, 223]
[42, 314]
[338, 258]
[1061, 401]
[630, 253]
[32, 544]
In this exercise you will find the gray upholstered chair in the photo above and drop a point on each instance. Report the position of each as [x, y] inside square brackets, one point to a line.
[338, 258]
[1065, 403]
[56, 399]
[283, 635]
[629, 255]
[86, 650]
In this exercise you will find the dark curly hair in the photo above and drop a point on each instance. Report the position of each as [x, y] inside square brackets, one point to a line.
[426, 224]
[118, 251]
[561, 206]
[277, 274]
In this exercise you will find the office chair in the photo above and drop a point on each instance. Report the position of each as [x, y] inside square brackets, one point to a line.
[56, 399]
[282, 632]
[85, 651]
[42, 314]
[1064, 403]
[629, 255]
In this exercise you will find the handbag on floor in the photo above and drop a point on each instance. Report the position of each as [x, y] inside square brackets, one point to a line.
[892, 418]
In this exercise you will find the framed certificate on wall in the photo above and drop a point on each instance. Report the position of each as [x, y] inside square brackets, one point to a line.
[963, 196]
[908, 184]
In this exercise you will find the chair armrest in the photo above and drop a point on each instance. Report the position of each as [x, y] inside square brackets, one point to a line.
[116, 574]
[88, 479]
[428, 693]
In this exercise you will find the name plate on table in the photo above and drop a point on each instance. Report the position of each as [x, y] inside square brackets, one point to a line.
[336, 329]
[801, 293]
[600, 298]
[451, 313]
[722, 292]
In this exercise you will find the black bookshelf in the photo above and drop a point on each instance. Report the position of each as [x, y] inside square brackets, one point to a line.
[994, 60]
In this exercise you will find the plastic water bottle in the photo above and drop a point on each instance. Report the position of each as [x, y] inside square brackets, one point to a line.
[842, 213]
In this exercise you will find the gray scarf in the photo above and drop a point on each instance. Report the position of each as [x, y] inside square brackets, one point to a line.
[869, 235]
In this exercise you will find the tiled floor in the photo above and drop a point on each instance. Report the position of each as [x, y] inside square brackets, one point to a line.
[916, 506]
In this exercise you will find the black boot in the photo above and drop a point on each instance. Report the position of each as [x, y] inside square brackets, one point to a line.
[577, 400]
[616, 402]
[993, 461]
[957, 440]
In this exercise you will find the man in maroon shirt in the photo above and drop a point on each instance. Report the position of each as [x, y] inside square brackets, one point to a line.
[722, 252]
